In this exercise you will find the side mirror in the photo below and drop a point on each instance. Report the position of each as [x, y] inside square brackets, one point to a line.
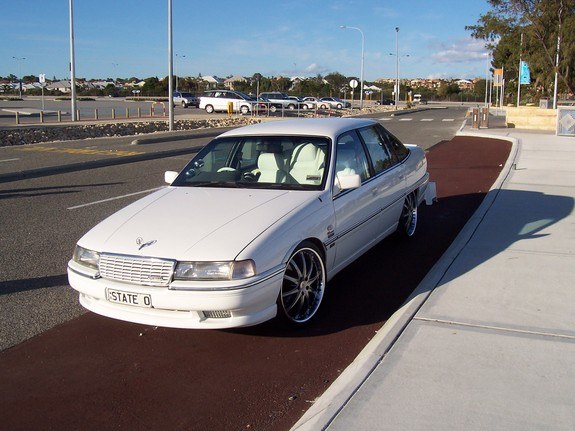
[170, 176]
[346, 182]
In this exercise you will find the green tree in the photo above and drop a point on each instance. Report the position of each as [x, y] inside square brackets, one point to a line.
[336, 80]
[543, 23]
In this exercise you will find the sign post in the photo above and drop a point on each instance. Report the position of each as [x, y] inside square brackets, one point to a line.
[42, 80]
[353, 84]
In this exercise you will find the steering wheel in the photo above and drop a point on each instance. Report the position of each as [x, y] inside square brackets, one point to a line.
[250, 176]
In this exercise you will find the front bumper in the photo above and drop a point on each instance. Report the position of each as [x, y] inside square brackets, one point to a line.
[246, 305]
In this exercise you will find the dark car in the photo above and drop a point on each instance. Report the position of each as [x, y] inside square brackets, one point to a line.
[385, 102]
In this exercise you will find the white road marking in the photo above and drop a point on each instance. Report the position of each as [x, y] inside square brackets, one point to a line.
[427, 119]
[448, 119]
[385, 119]
[114, 198]
[406, 119]
[9, 160]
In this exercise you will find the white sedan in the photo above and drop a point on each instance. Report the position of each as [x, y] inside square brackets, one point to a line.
[253, 227]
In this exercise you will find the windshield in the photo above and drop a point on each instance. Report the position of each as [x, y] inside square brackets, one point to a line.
[286, 162]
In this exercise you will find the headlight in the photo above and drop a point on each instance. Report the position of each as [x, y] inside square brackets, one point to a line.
[215, 270]
[86, 257]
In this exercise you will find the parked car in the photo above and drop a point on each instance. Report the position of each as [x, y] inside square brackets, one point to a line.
[287, 101]
[254, 226]
[185, 99]
[218, 100]
[334, 102]
[314, 103]
[271, 106]
[385, 102]
[419, 99]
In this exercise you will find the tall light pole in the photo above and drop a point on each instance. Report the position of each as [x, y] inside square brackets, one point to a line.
[178, 56]
[396, 67]
[557, 58]
[170, 70]
[362, 55]
[19, 59]
[72, 62]
[487, 78]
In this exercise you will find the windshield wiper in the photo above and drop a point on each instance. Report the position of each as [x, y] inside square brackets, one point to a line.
[211, 184]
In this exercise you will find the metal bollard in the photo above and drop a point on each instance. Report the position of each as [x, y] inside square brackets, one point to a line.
[127, 112]
[41, 116]
[96, 114]
[139, 112]
[59, 116]
[17, 118]
[113, 113]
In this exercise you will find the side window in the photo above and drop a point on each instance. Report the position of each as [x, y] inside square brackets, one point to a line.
[394, 145]
[350, 157]
[380, 157]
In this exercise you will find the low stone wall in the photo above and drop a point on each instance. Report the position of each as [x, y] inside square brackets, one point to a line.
[526, 117]
[34, 135]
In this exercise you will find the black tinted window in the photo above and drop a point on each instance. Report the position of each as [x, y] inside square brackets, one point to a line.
[378, 152]
[396, 148]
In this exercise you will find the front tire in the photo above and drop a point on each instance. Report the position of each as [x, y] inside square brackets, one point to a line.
[408, 219]
[209, 109]
[303, 286]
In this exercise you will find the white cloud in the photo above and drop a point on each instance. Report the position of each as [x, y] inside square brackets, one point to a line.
[460, 51]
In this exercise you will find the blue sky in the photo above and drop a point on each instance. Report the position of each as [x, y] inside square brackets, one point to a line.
[125, 38]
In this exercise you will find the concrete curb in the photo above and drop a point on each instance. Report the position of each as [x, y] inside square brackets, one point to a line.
[333, 401]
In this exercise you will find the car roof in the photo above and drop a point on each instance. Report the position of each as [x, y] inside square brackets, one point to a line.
[304, 126]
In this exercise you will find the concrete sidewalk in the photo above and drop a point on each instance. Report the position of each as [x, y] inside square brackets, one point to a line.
[487, 341]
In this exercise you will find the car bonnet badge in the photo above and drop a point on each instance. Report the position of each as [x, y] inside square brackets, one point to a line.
[140, 241]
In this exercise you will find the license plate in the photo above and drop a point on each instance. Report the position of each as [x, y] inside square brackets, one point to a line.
[129, 298]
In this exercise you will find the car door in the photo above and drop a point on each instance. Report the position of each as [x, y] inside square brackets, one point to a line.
[357, 212]
[389, 177]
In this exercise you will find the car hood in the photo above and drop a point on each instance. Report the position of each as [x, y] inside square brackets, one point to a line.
[191, 223]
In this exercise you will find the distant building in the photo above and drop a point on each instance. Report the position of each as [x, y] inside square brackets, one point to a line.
[229, 83]
[62, 86]
[464, 84]
[212, 81]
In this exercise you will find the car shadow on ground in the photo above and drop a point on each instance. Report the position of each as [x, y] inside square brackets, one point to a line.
[372, 288]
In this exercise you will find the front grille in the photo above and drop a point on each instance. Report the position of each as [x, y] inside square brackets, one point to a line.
[137, 270]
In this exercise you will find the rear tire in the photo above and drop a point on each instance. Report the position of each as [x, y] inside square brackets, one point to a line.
[408, 219]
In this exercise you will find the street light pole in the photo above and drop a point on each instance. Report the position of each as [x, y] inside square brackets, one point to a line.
[19, 59]
[175, 68]
[170, 70]
[362, 58]
[72, 62]
[396, 67]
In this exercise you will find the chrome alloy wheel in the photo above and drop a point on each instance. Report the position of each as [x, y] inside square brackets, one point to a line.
[408, 219]
[303, 285]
